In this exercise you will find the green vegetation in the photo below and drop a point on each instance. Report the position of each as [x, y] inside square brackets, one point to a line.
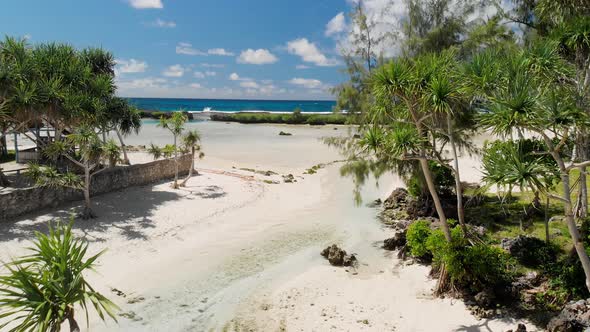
[191, 142]
[419, 109]
[73, 92]
[175, 124]
[42, 290]
[293, 118]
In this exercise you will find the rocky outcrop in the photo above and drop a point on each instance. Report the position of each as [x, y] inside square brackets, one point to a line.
[528, 250]
[574, 317]
[398, 241]
[338, 257]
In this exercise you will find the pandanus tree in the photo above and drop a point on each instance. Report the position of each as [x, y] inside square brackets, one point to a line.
[521, 164]
[191, 142]
[534, 94]
[41, 291]
[450, 101]
[84, 149]
[400, 88]
[175, 124]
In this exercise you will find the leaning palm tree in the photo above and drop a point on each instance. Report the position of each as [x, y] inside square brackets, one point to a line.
[41, 290]
[175, 124]
[191, 142]
[400, 88]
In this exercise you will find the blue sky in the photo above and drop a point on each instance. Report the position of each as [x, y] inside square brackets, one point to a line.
[259, 49]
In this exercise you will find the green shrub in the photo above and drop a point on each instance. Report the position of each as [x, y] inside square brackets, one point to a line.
[443, 178]
[417, 236]
[470, 267]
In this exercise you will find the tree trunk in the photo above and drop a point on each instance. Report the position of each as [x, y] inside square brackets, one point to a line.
[175, 184]
[458, 187]
[73, 324]
[3, 179]
[123, 148]
[435, 198]
[87, 213]
[573, 229]
[547, 220]
[190, 171]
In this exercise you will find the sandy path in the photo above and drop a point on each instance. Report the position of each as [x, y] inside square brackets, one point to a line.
[232, 253]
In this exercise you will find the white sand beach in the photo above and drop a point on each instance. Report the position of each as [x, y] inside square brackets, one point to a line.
[231, 252]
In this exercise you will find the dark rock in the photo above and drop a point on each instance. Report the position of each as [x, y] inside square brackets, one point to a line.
[396, 242]
[282, 133]
[575, 316]
[338, 257]
[528, 250]
[375, 203]
[520, 328]
[484, 298]
[397, 199]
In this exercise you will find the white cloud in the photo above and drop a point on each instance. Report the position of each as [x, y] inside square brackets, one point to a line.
[306, 83]
[234, 77]
[195, 85]
[336, 25]
[212, 65]
[145, 4]
[257, 57]
[199, 74]
[249, 84]
[210, 73]
[187, 49]
[309, 53]
[174, 71]
[219, 51]
[301, 67]
[163, 24]
[141, 83]
[130, 66]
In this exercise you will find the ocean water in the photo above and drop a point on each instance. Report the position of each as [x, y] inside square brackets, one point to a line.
[231, 105]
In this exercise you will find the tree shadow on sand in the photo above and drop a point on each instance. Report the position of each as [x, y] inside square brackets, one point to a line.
[483, 326]
[130, 210]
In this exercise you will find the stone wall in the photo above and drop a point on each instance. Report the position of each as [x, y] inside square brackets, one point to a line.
[21, 201]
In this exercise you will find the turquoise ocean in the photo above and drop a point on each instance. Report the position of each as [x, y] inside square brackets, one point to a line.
[231, 105]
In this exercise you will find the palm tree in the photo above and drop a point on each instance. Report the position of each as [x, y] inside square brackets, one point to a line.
[175, 124]
[446, 96]
[519, 164]
[41, 290]
[534, 95]
[91, 151]
[191, 142]
[112, 152]
[400, 89]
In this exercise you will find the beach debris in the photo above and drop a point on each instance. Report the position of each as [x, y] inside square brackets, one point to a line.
[338, 257]
[289, 178]
[265, 173]
[131, 316]
[575, 316]
[118, 292]
[136, 299]
[396, 242]
[270, 182]
[283, 133]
